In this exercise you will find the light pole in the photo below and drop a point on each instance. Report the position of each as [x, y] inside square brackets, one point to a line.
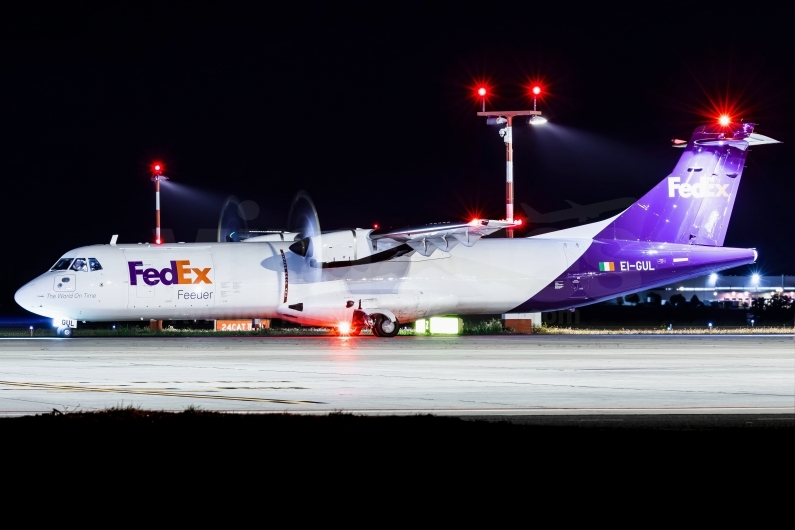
[157, 176]
[506, 117]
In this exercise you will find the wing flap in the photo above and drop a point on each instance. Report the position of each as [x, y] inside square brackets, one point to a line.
[426, 239]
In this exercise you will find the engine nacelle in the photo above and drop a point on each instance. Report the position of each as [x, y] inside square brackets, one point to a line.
[335, 247]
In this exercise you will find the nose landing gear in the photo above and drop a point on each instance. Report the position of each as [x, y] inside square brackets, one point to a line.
[64, 331]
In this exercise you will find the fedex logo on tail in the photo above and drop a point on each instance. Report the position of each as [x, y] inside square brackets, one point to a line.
[704, 188]
[180, 272]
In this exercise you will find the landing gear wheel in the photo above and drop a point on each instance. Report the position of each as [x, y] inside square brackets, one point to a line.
[383, 327]
[64, 332]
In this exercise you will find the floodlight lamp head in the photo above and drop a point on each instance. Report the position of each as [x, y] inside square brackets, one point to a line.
[536, 120]
[496, 120]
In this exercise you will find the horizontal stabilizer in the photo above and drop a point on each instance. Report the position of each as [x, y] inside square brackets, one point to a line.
[758, 139]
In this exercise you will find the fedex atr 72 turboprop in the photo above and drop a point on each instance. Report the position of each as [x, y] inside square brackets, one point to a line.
[382, 278]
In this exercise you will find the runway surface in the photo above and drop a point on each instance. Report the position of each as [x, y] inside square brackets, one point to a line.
[483, 376]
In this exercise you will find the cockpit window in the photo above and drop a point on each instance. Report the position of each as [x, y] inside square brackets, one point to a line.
[80, 265]
[93, 264]
[62, 265]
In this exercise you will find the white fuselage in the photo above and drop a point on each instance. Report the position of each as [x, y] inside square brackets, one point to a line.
[263, 279]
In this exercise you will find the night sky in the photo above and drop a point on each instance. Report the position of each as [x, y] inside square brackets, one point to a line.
[369, 107]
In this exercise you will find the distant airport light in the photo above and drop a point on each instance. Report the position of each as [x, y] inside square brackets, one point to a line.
[482, 93]
[755, 278]
[713, 277]
[724, 120]
[439, 325]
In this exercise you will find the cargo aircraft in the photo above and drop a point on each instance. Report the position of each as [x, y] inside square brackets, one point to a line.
[356, 278]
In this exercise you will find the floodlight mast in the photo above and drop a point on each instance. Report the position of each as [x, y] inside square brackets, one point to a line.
[507, 137]
[157, 170]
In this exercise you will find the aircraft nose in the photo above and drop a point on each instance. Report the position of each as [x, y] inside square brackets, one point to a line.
[24, 295]
[20, 295]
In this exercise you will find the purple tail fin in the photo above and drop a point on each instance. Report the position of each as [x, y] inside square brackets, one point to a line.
[694, 203]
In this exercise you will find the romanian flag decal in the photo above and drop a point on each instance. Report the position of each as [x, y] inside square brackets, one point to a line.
[607, 266]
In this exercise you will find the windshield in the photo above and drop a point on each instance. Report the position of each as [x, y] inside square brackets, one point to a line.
[62, 265]
[94, 265]
[80, 265]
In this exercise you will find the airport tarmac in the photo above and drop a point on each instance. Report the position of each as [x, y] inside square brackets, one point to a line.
[469, 375]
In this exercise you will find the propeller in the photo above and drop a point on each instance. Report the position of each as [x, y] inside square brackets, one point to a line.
[232, 223]
[303, 217]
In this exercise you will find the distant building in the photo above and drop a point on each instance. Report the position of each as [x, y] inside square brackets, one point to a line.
[723, 291]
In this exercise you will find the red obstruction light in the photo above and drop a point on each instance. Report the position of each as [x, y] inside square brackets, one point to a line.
[536, 90]
[724, 120]
[482, 92]
[157, 168]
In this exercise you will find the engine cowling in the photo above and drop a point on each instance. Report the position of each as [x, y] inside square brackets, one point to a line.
[339, 246]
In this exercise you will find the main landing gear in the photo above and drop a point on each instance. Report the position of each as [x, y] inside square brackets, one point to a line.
[64, 331]
[384, 327]
[381, 325]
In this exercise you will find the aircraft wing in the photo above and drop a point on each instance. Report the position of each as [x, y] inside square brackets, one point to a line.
[444, 236]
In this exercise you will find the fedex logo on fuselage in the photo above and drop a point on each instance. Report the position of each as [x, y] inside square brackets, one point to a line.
[704, 188]
[180, 272]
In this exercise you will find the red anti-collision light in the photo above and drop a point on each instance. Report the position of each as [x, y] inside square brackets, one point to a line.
[481, 92]
[536, 90]
[724, 120]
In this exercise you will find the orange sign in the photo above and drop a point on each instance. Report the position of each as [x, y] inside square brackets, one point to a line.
[233, 325]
